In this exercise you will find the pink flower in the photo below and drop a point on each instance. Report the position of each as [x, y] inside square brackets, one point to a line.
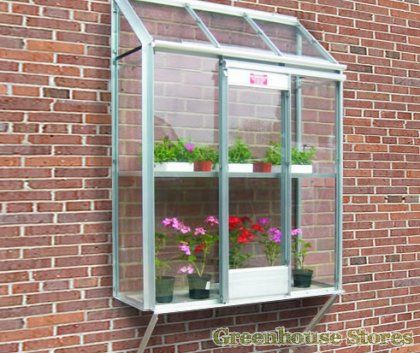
[199, 231]
[185, 248]
[184, 229]
[167, 222]
[186, 269]
[275, 235]
[189, 147]
[264, 221]
[296, 231]
[212, 221]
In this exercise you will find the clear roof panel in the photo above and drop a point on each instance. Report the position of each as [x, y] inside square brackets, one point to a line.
[217, 27]
[232, 30]
[168, 22]
[285, 37]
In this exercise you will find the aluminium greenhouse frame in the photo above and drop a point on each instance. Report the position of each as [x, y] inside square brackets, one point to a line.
[276, 61]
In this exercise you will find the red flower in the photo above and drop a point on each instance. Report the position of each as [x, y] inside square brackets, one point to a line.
[246, 219]
[234, 222]
[257, 227]
[199, 248]
[245, 236]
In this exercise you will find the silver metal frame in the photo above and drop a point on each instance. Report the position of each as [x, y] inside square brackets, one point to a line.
[114, 112]
[271, 61]
[223, 183]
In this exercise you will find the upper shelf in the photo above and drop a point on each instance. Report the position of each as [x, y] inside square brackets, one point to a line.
[215, 174]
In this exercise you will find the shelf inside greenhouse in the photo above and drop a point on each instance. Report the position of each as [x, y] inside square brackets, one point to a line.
[227, 157]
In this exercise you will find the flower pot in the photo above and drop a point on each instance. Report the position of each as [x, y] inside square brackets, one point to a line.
[258, 282]
[240, 167]
[165, 289]
[302, 278]
[262, 167]
[199, 286]
[174, 167]
[203, 166]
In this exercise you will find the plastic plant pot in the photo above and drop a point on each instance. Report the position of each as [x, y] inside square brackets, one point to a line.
[262, 167]
[165, 289]
[302, 278]
[199, 286]
[203, 166]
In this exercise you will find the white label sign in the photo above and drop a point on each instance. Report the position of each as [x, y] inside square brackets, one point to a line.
[260, 79]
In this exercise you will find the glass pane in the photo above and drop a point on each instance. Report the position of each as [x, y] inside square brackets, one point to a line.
[314, 133]
[254, 194]
[129, 178]
[314, 215]
[168, 22]
[232, 30]
[285, 37]
[127, 39]
[186, 180]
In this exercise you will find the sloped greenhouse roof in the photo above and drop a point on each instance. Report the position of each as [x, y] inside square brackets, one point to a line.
[207, 28]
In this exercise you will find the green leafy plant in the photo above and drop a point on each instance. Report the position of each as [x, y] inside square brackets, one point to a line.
[273, 154]
[173, 151]
[239, 152]
[300, 248]
[304, 156]
[205, 153]
[301, 157]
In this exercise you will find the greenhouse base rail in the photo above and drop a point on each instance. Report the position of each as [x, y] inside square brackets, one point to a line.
[317, 318]
[148, 333]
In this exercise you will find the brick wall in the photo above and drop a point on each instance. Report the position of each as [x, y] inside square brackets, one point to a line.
[55, 272]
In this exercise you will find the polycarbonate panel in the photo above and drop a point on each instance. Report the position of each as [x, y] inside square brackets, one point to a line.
[168, 22]
[232, 30]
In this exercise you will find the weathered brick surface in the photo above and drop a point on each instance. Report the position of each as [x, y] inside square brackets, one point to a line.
[55, 272]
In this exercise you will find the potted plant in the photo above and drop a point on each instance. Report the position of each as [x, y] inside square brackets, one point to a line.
[174, 156]
[239, 156]
[302, 277]
[255, 281]
[205, 157]
[302, 160]
[240, 234]
[261, 166]
[196, 246]
[164, 284]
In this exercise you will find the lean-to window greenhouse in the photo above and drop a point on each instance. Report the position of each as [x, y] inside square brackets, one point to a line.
[227, 157]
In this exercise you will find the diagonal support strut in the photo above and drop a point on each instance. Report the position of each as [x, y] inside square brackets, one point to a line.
[148, 333]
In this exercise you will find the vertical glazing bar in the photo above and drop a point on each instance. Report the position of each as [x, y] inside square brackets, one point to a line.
[114, 111]
[339, 187]
[298, 135]
[286, 179]
[223, 183]
[148, 185]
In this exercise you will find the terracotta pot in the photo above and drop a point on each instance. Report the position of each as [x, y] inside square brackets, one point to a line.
[203, 166]
[262, 167]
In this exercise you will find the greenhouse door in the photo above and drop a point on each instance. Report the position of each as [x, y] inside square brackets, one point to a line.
[257, 112]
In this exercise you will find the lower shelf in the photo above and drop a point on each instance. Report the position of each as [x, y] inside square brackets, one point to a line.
[182, 302]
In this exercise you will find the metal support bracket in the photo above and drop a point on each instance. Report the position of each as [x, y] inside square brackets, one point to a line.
[148, 333]
[131, 51]
[317, 318]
